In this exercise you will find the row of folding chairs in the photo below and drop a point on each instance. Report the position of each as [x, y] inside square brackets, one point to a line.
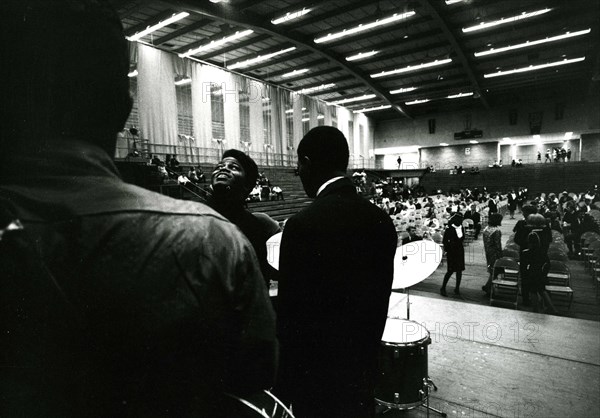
[590, 250]
[506, 287]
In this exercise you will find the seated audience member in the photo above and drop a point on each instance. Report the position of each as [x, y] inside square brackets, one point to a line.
[193, 175]
[162, 171]
[155, 160]
[200, 174]
[277, 193]
[412, 235]
[255, 194]
[231, 183]
[580, 224]
[173, 163]
[183, 180]
[116, 301]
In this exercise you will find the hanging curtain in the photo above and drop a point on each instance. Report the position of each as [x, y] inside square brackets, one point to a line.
[201, 108]
[255, 97]
[327, 113]
[157, 99]
[313, 111]
[277, 119]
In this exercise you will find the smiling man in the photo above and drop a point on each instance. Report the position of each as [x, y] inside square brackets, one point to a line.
[232, 180]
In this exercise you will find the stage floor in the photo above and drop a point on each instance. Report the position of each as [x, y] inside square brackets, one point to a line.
[490, 361]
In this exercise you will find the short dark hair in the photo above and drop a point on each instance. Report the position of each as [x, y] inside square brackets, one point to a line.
[495, 219]
[326, 147]
[250, 167]
[528, 210]
[66, 68]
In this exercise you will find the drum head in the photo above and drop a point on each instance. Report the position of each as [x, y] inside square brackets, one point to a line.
[402, 332]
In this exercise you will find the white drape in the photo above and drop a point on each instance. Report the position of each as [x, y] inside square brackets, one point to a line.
[201, 106]
[157, 99]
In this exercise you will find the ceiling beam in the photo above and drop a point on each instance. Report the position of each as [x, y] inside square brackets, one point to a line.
[333, 80]
[312, 19]
[237, 45]
[182, 31]
[149, 22]
[307, 65]
[414, 21]
[260, 24]
[433, 12]
[307, 76]
[396, 44]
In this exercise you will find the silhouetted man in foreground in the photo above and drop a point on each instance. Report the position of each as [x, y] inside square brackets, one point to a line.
[336, 266]
[115, 301]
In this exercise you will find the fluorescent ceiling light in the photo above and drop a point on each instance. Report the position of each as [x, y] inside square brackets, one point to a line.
[317, 88]
[360, 28]
[506, 139]
[532, 43]
[260, 58]
[361, 55]
[534, 67]
[295, 72]
[290, 16]
[524, 15]
[418, 101]
[372, 109]
[536, 136]
[353, 99]
[412, 68]
[459, 95]
[183, 81]
[402, 90]
[472, 141]
[158, 26]
[305, 119]
[568, 135]
[320, 116]
[453, 1]
[217, 43]
[132, 74]
[443, 144]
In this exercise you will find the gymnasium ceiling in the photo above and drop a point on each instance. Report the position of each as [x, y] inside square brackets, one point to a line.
[427, 51]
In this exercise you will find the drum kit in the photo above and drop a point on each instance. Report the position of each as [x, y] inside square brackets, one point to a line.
[403, 381]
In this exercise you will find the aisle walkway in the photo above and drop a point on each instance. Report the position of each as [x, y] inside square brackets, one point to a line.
[585, 303]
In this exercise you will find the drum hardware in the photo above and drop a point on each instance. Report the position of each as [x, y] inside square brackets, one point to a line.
[427, 385]
[403, 381]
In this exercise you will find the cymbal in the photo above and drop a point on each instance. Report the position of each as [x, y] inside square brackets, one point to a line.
[273, 245]
[414, 262]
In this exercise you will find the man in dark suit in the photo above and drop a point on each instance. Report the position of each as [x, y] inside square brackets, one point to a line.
[336, 267]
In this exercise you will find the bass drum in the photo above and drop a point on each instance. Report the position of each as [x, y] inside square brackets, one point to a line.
[403, 367]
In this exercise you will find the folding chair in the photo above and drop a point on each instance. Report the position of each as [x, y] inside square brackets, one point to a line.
[559, 281]
[468, 224]
[590, 260]
[510, 253]
[506, 288]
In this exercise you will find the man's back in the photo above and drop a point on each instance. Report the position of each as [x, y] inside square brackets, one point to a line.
[168, 304]
[336, 265]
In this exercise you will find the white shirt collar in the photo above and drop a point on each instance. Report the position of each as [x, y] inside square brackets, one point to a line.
[327, 183]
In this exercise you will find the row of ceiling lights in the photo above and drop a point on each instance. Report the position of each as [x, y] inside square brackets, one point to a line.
[362, 55]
